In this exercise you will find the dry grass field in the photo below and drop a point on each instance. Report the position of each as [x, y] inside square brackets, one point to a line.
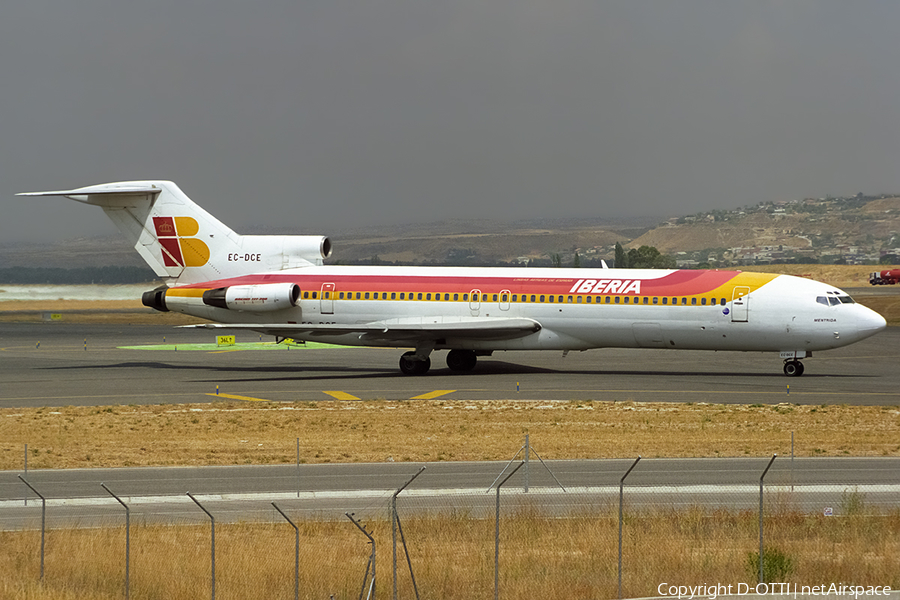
[423, 431]
[453, 556]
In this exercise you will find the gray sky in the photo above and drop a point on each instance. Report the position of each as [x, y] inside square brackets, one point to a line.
[319, 115]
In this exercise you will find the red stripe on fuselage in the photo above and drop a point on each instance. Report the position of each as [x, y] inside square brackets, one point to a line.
[677, 283]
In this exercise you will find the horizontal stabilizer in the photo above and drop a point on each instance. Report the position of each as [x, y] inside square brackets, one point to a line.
[97, 194]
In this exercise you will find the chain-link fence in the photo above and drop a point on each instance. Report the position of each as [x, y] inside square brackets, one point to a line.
[555, 529]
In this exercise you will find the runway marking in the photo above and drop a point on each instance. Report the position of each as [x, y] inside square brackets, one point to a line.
[234, 397]
[341, 395]
[433, 395]
[722, 490]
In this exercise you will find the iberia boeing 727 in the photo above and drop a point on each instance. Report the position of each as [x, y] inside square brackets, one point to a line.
[277, 285]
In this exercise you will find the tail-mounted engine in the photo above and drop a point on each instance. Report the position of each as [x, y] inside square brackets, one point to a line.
[264, 297]
[156, 299]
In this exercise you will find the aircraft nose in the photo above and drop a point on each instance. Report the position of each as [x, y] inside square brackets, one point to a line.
[869, 323]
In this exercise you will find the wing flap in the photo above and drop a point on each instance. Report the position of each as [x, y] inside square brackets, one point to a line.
[481, 329]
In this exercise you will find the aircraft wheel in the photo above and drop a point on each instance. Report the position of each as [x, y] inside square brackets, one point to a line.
[793, 368]
[461, 360]
[409, 365]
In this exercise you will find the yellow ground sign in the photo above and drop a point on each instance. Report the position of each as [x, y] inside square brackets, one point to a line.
[225, 340]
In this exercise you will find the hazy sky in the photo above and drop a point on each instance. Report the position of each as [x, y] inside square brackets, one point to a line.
[317, 115]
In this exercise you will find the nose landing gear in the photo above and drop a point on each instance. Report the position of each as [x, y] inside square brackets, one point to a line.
[793, 368]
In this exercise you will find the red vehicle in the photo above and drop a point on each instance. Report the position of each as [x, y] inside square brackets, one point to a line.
[886, 277]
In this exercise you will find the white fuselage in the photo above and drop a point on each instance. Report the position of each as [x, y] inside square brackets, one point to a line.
[781, 314]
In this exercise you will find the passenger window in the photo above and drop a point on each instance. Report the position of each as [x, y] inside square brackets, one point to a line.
[542, 297]
[341, 296]
[446, 296]
[665, 300]
[420, 296]
[684, 301]
[367, 295]
[655, 300]
[626, 299]
[315, 294]
[551, 298]
[532, 297]
[305, 295]
[393, 295]
[617, 299]
[455, 297]
[495, 297]
[504, 297]
[465, 297]
[607, 299]
[515, 298]
[693, 302]
[579, 299]
[703, 301]
[646, 299]
[428, 296]
[722, 302]
[588, 299]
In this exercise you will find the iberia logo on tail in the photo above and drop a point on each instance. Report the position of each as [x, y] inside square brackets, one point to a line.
[179, 246]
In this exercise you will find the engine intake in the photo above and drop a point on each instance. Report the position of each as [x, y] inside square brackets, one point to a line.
[264, 297]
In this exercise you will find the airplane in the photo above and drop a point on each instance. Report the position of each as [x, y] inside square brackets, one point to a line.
[278, 285]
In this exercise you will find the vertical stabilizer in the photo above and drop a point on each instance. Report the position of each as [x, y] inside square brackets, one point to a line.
[172, 234]
[183, 243]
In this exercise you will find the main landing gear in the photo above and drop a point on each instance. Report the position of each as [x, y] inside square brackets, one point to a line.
[793, 368]
[413, 364]
[418, 362]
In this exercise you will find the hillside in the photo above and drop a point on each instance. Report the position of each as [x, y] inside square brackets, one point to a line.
[857, 230]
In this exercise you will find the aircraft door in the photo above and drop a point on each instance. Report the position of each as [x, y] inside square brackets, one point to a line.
[475, 302]
[740, 304]
[326, 299]
[504, 299]
[648, 335]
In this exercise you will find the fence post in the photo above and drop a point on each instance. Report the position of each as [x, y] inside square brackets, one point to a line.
[761, 477]
[395, 523]
[212, 520]
[497, 535]
[527, 456]
[43, 520]
[371, 559]
[296, 552]
[621, 502]
[127, 540]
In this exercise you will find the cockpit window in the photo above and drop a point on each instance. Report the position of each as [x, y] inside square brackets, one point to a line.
[822, 300]
[846, 300]
[833, 301]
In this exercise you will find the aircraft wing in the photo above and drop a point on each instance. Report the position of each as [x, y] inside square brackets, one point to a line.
[399, 331]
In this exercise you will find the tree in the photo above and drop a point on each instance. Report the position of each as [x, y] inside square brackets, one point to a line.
[648, 257]
[621, 258]
[576, 262]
